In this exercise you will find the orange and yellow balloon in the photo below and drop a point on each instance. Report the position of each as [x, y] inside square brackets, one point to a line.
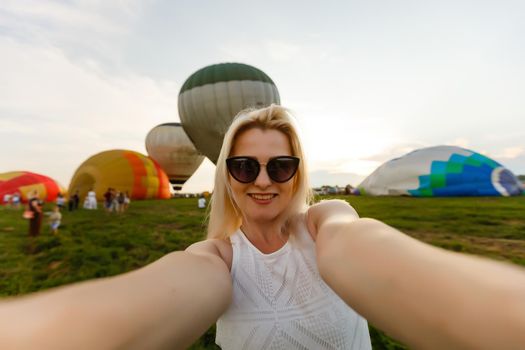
[123, 170]
[25, 182]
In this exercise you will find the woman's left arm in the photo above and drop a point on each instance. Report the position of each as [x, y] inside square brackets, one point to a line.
[422, 295]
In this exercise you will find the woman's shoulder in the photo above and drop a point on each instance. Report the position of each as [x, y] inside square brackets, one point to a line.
[298, 225]
[321, 212]
[214, 246]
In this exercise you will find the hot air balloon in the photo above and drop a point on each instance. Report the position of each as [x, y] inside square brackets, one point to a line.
[169, 145]
[26, 182]
[441, 171]
[123, 170]
[211, 97]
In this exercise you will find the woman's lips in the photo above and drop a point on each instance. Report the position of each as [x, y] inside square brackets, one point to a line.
[262, 198]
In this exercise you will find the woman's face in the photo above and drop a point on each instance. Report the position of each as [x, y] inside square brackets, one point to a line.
[262, 200]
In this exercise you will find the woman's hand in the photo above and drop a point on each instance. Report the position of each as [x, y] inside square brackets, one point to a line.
[328, 212]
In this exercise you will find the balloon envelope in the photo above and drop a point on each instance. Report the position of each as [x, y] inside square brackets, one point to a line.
[26, 182]
[125, 171]
[211, 97]
[441, 171]
[169, 145]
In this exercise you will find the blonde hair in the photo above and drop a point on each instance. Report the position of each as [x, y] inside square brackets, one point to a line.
[225, 217]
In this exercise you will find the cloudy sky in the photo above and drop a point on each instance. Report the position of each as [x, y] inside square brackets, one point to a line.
[367, 80]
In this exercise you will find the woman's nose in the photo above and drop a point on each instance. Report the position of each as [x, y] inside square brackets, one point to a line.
[263, 179]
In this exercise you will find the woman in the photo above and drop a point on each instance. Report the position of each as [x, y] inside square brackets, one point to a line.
[35, 206]
[421, 295]
[261, 190]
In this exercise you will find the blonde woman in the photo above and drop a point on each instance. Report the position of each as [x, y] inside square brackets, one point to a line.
[277, 273]
[257, 225]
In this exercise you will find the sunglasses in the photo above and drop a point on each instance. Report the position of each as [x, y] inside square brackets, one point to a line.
[246, 169]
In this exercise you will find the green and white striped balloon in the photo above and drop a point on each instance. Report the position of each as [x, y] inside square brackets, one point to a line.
[211, 97]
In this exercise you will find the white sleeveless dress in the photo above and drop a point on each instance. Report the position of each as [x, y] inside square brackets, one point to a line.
[281, 302]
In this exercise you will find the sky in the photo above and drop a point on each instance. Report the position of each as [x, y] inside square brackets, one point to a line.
[367, 80]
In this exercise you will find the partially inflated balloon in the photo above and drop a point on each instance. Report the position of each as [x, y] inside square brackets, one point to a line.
[125, 171]
[169, 145]
[441, 171]
[211, 97]
[26, 182]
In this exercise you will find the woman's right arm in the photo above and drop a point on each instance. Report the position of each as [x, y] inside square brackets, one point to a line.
[167, 304]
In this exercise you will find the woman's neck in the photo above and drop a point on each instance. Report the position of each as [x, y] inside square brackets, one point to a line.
[267, 237]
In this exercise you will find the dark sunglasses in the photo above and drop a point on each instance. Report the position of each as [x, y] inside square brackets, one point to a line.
[246, 169]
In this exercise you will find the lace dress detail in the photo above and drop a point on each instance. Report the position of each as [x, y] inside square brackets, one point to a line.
[281, 302]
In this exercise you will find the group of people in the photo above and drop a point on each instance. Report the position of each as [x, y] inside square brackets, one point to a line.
[279, 272]
[113, 202]
[116, 201]
[12, 200]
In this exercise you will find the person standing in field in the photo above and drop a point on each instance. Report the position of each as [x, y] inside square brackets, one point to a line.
[7, 200]
[121, 198]
[60, 201]
[54, 219]
[108, 200]
[91, 200]
[76, 200]
[201, 202]
[15, 200]
[70, 203]
[127, 200]
[73, 201]
[35, 206]
[114, 201]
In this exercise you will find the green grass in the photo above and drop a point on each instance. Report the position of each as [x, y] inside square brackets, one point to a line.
[93, 244]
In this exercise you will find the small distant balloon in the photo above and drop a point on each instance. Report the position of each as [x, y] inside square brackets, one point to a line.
[169, 146]
[211, 97]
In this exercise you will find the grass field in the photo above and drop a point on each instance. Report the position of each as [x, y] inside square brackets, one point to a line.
[93, 244]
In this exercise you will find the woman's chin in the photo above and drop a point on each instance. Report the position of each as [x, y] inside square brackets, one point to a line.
[262, 218]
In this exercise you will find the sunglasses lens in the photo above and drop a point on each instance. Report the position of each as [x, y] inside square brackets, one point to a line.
[243, 169]
[282, 169]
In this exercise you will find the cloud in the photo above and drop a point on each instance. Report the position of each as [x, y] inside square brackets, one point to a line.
[395, 152]
[511, 152]
[66, 110]
[298, 54]
[79, 28]
[460, 142]
[108, 17]
[52, 15]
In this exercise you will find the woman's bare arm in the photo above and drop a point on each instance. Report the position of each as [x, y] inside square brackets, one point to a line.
[167, 304]
[422, 295]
